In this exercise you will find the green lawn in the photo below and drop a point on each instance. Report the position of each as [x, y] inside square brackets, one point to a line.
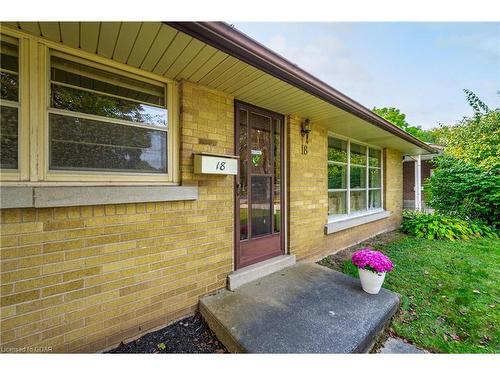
[450, 293]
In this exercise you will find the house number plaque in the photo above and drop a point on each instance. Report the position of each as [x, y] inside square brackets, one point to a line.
[215, 164]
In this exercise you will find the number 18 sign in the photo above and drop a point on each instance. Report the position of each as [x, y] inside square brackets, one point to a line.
[215, 164]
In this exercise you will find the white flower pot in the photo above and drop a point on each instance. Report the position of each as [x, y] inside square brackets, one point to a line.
[371, 282]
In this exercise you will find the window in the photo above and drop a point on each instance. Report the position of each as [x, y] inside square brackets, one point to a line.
[75, 118]
[102, 121]
[9, 104]
[337, 176]
[374, 179]
[71, 116]
[354, 177]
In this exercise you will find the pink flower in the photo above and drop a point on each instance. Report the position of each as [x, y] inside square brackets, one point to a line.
[372, 260]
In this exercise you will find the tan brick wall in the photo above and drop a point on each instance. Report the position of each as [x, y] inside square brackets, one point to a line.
[308, 197]
[85, 278]
[308, 194]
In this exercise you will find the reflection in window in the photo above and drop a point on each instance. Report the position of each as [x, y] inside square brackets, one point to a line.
[374, 179]
[9, 103]
[101, 120]
[337, 202]
[243, 193]
[358, 200]
[337, 176]
[84, 144]
[260, 143]
[337, 150]
[358, 177]
[277, 176]
[261, 205]
[358, 154]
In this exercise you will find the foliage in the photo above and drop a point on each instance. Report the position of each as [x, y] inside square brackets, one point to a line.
[476, 140]
[464, 190]
[102, 105]
[441, 227]
[441, 134]
[466, 178]
[477, 104]
[372, 260]
[449, 293]
[394, 116]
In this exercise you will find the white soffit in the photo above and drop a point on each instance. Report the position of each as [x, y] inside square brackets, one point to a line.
[161, 49]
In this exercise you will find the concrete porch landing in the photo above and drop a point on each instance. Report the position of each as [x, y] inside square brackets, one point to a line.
[305, 308]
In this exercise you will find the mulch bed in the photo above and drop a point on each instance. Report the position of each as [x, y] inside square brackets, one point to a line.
[189, 335]
[336, 260]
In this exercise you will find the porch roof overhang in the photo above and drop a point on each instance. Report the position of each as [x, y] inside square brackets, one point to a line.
[230, 40]
[218, 56]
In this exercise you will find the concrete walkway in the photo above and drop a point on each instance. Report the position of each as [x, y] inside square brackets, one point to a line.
[305, 308]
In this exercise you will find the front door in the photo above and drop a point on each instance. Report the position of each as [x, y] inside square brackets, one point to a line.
[258, 191]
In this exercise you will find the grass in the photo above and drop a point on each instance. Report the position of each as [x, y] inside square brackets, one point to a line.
[450, 293]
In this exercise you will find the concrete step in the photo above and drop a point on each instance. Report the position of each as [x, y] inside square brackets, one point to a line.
[305, 308]
[258, 270]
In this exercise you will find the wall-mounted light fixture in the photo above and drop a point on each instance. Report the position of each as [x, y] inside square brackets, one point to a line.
[305, 129]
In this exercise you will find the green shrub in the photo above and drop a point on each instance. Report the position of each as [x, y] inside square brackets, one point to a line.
[458, 188]
[437, 226]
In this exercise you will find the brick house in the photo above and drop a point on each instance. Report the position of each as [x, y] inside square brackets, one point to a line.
[416, 170]
[145, 164]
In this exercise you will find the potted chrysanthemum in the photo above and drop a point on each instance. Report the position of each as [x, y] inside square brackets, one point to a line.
[372, 266]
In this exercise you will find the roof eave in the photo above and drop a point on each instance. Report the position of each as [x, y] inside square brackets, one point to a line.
[233, 42]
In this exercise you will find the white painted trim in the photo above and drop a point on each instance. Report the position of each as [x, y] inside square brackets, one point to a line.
[418, 184]
[410, 158]
[345, 138]
[367, 166]
[284, 183]
[336, 225]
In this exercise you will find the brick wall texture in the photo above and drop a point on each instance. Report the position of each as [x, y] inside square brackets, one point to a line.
[85, 278]
[81, 279]
[308, 196]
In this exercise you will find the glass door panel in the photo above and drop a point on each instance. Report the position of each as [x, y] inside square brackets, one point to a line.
[261, 206]
[243, 181]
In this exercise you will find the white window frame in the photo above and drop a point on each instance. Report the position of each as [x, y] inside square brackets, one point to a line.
[23, 152]
[367, 211]
[34, 63]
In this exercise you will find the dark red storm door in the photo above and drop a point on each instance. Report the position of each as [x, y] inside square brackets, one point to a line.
[259, 221]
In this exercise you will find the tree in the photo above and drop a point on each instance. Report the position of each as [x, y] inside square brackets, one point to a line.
[393, 115]
[464, 190]
[396, 117]
[476, 139]
[466, 181]
[477, 104]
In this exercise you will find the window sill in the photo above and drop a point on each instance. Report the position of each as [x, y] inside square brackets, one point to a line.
[67, 196]
[341, 223]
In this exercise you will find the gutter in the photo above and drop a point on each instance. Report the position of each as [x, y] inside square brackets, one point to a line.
[233, 42]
